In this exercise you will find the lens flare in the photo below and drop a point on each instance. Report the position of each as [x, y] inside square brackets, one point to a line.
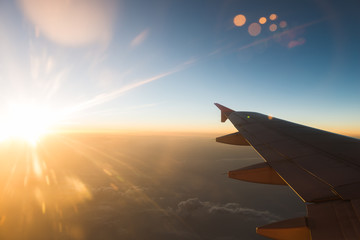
[273, 27]
[262, 20]
[273, 17]
[239, 20]
[254, 29]
[283, 24]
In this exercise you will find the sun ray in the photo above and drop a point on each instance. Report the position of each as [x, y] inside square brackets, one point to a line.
[26, 121]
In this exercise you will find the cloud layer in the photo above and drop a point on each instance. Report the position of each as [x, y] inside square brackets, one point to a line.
[71, 23]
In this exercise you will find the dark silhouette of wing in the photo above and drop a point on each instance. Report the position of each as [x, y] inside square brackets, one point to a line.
[323, 168]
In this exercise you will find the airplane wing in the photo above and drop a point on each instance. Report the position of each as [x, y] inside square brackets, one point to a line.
[322, 168]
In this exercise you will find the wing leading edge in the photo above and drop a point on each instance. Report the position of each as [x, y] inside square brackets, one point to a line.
[322, 168]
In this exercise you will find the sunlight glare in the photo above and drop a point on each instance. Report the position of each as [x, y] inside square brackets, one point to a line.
[25, 121]
[2, 219]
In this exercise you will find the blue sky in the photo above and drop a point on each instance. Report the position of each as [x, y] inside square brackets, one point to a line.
[160, 65]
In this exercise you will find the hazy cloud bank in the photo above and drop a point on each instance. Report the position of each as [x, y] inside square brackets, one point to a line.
[193, 206]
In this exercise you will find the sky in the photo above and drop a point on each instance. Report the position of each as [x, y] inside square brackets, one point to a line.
[140, 66]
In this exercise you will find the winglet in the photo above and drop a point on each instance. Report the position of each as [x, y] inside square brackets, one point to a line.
[224, 112]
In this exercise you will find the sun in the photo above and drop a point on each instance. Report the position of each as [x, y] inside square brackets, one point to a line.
[25, 121]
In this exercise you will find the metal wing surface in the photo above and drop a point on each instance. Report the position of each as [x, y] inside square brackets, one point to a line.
[323, 168]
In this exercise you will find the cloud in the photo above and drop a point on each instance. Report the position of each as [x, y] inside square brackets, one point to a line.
[295, 43]
[109, 96]
[71, 23]
[140, 38]
[105, 97]
[194, 205]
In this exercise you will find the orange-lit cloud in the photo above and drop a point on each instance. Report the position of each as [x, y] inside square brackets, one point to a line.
[71, 23]
[239, 20]
[295, 43]
[140, 38]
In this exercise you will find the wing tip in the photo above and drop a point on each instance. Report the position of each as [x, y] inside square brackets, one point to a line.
[224, 111]
[223, 108]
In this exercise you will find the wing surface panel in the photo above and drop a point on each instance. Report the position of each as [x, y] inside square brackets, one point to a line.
[310, 162]
[334, 220]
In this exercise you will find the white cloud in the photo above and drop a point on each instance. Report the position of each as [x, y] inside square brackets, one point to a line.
[140, 38]
[109, 96]
[194, 205]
